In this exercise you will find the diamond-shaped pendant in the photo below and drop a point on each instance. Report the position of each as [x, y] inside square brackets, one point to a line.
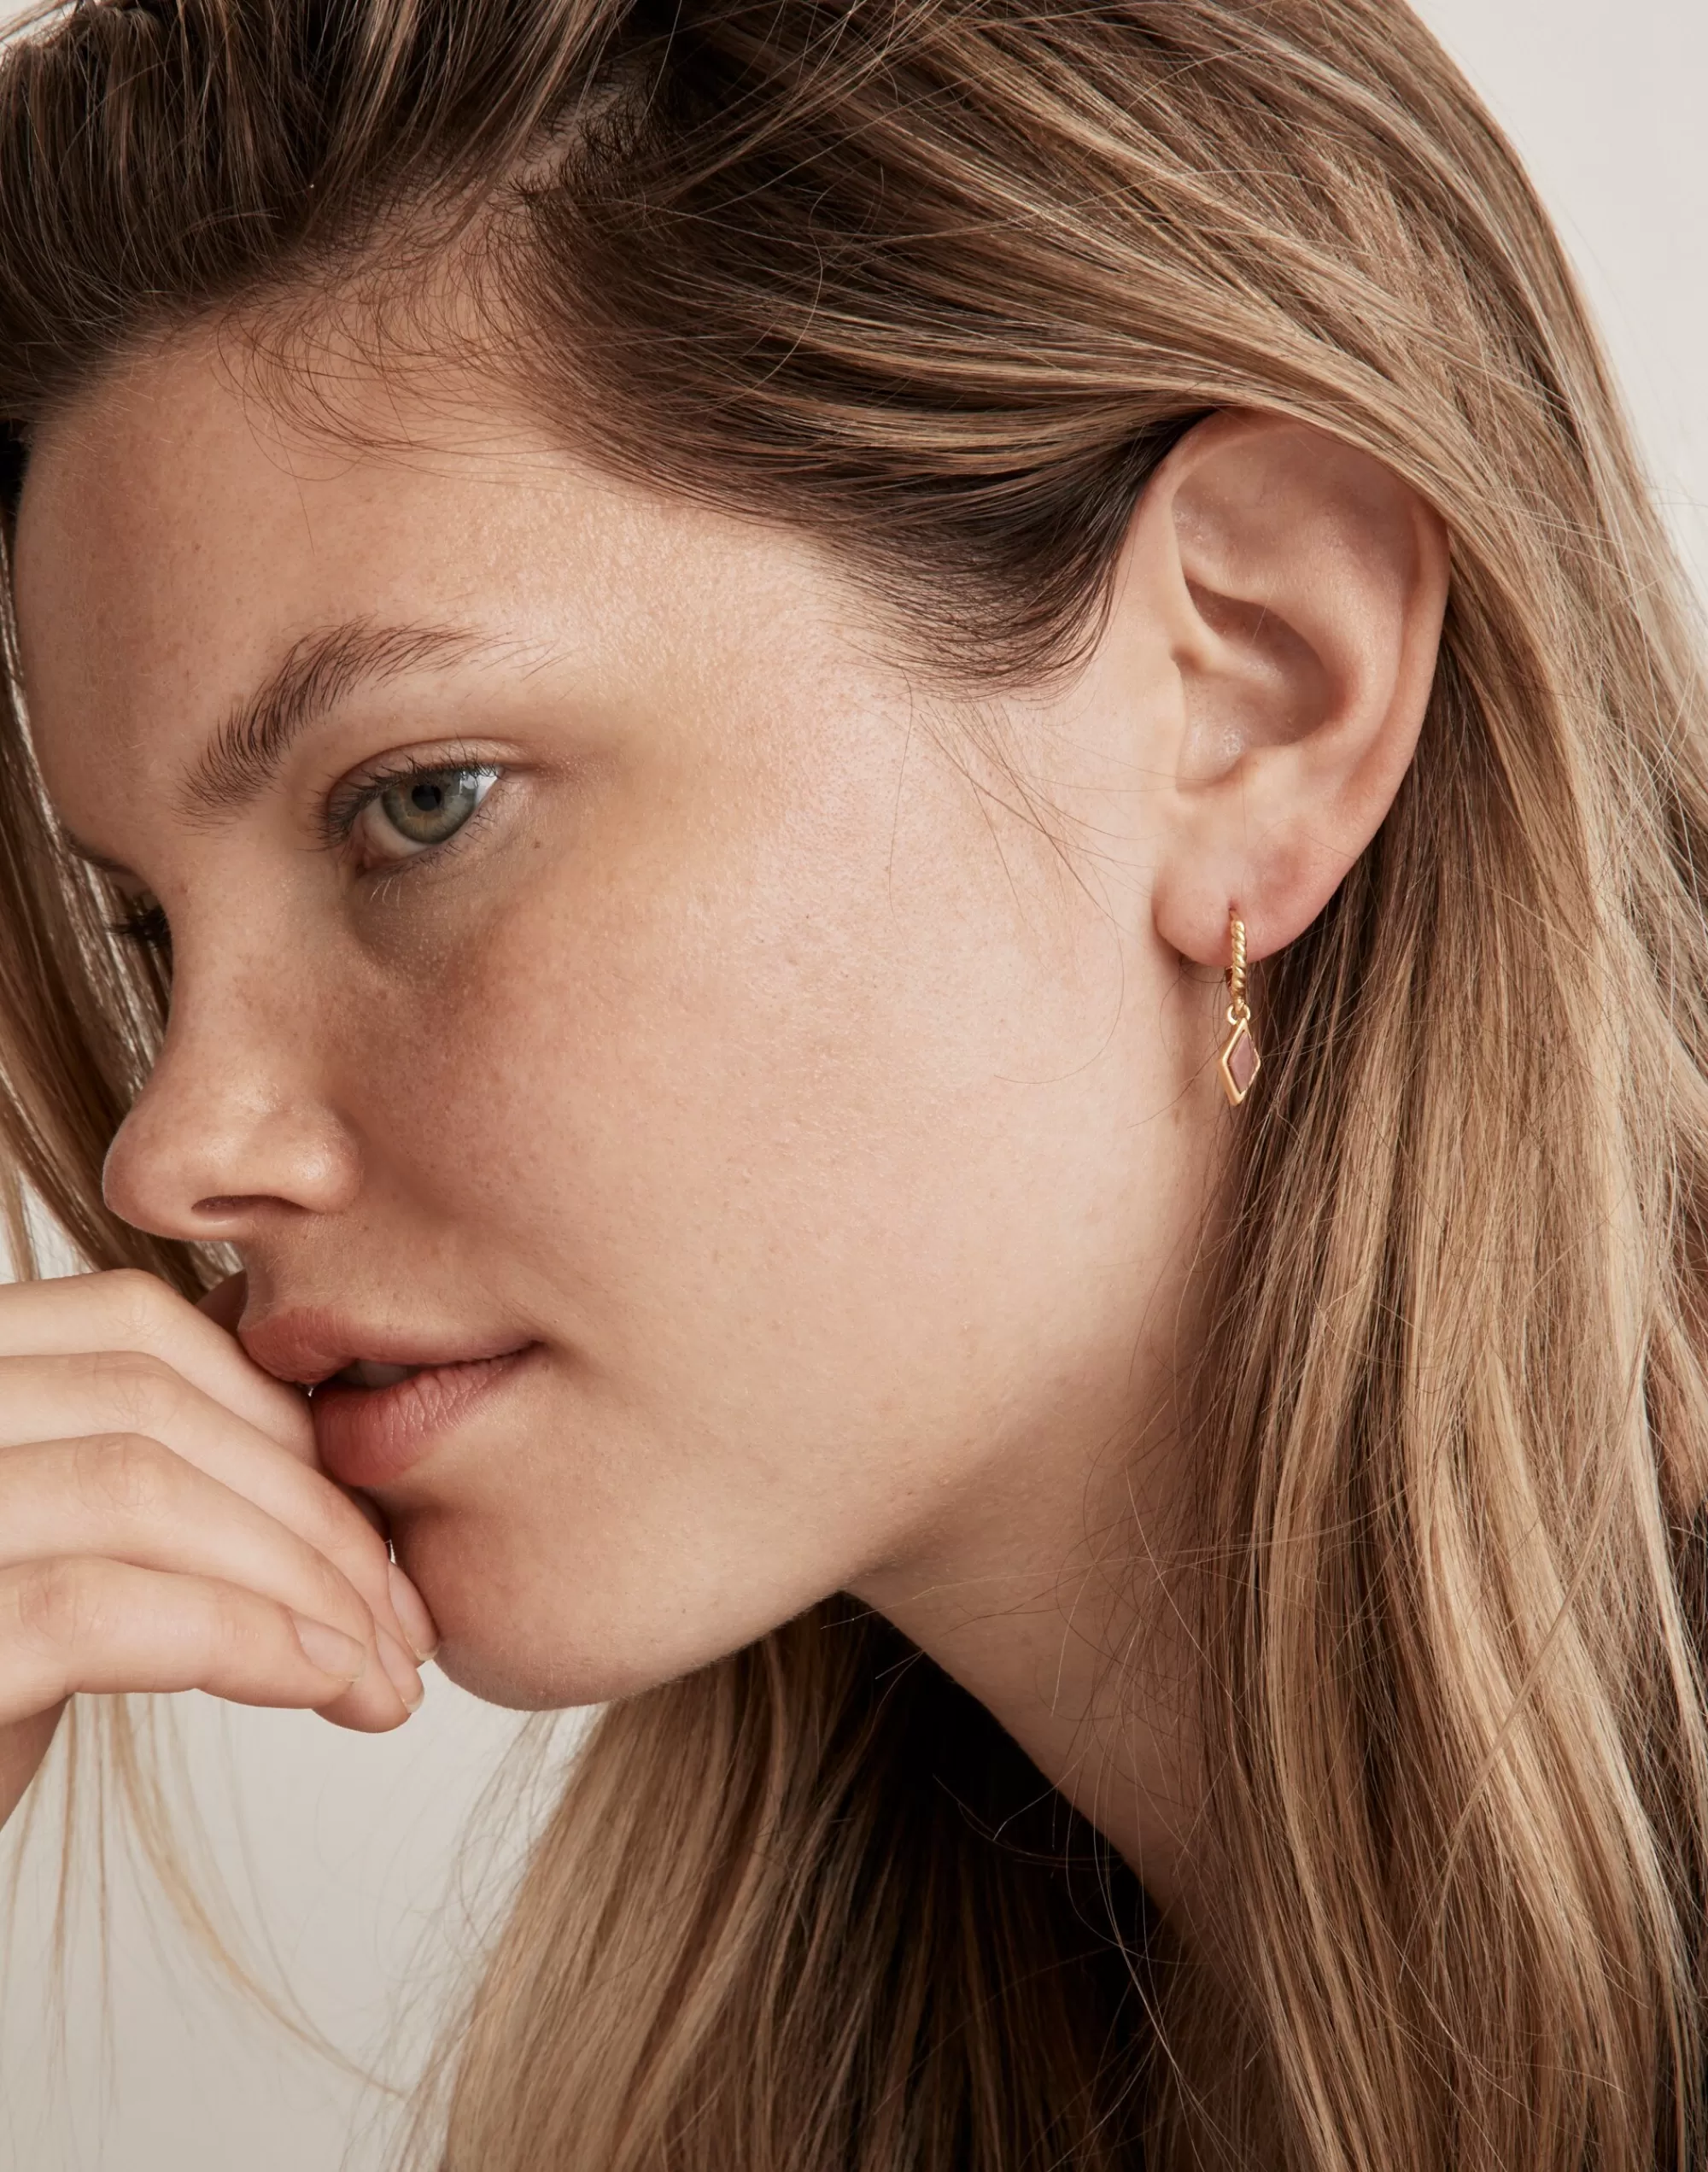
[1239, 1062]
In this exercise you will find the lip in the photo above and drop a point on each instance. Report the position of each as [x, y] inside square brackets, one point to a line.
[367, 1436]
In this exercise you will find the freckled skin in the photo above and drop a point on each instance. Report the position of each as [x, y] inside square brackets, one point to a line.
[838, 1134]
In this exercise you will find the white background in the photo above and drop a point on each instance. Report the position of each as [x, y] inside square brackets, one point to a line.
[353, 1842]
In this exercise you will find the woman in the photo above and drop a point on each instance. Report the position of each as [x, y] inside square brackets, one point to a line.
[919, 792]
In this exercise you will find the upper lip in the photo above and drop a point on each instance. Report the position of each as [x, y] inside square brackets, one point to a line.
[308, 1346]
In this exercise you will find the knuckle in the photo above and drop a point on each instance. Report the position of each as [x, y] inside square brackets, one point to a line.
[365, 1554]
[138, 1303]
[58, 1605]
[144, 1390]
[335, 1599]
[225, 1623]
[238, 1624]
[126, 1471]
[337, 1527]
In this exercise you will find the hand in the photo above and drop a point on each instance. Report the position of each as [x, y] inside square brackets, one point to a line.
[163, 1526]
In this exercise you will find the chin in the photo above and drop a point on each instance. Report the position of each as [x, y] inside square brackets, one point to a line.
[504, 1656]
[518, 1681]
[514, 1636]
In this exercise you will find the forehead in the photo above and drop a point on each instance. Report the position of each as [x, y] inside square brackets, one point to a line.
[173, 526]
[177, 535]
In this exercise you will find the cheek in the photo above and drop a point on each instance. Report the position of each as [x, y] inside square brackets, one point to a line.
[793, 1148]
[830, 1052]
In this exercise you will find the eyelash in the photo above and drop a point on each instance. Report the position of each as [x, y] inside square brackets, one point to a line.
[346, 805]
[144, 924]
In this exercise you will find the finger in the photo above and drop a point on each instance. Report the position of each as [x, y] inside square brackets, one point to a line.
[124, 1391]
[121, 1496]
[79, 1625]
[129, 1310]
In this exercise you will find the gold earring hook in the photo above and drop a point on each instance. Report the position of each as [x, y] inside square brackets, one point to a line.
[1239, 1061]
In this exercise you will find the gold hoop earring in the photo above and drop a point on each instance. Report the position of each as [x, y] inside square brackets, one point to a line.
[1239, 1061]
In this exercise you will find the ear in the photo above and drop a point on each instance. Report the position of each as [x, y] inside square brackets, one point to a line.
[1300, 587]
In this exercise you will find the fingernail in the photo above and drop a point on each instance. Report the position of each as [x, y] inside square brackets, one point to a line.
[329, 1648]
[412, 1617]
[400, 1668]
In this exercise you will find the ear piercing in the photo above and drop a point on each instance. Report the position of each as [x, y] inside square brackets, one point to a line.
[1239, 1061]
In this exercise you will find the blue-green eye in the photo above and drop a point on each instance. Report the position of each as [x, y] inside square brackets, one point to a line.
[407, 814]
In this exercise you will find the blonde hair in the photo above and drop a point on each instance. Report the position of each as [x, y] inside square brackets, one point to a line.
[939, 281]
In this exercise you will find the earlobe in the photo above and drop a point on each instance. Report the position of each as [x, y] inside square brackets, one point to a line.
[1302, 585]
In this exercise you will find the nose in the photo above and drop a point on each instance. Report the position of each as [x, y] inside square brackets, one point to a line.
[232, 1127]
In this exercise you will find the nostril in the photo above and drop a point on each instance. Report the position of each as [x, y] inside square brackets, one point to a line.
[174, 1147]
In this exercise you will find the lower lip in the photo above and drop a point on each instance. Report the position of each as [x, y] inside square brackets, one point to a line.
[367, 1436]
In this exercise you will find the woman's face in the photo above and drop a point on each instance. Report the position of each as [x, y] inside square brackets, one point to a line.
[593, 953]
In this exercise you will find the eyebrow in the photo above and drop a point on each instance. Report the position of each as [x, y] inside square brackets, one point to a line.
[316, 673]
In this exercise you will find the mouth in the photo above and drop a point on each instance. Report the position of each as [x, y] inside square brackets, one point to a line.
[374, 1421]
[368, 1373]
[382, 1396]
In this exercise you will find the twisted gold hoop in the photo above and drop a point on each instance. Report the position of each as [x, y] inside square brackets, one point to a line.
[1239, 1061]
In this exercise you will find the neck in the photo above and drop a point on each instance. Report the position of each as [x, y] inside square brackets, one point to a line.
[1049, 1598]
